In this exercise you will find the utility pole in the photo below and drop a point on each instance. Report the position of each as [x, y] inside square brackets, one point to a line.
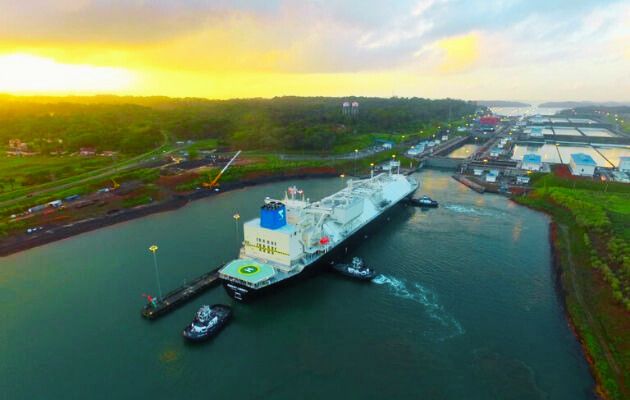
[153, 249]
[237, 217]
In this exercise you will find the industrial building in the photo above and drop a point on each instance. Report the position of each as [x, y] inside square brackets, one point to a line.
[488, 123]
[536, 131]
[582, 164]
[531, 162]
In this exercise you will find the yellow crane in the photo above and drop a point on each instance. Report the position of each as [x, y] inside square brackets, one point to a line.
[216, 178]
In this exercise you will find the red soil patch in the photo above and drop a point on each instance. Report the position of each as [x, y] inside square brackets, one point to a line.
[517, 191]
[563, 171]
[173, 181]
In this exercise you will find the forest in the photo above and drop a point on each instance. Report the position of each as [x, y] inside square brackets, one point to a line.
[134, 125]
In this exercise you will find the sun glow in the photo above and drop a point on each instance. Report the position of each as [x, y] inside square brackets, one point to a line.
[30, 74]
[459, 52]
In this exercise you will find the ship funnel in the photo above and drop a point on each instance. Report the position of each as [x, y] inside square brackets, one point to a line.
[273, 215]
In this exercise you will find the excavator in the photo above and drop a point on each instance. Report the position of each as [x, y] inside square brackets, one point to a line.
[214, 184]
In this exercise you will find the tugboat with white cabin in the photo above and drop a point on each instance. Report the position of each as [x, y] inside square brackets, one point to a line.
[356, 270]
[207, 323]
[294, 236]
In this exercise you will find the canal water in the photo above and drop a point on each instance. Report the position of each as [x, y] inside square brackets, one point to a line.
[464, 151]
[464, 308]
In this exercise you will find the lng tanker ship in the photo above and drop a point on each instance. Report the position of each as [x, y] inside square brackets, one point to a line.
[294, 235]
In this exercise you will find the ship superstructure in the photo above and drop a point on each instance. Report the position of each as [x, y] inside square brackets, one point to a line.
[294, 234]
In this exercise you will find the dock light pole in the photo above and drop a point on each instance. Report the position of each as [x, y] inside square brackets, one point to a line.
[153, 249]
[371, 170]
[356, 154]
[236, 217]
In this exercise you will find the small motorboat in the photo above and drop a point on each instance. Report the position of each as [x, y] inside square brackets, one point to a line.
[356, 269]
[424, 201]
[209, 320]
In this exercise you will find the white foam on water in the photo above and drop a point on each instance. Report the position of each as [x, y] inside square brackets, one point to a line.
[424, 296]
[461, 209]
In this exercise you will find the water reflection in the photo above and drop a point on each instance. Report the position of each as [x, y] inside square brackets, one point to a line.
[464, 152]
[516, 230]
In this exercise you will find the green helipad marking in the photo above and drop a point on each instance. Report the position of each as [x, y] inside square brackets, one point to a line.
[248, 270]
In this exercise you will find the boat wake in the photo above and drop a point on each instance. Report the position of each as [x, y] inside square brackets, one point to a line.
[419, 294]
[461, 209]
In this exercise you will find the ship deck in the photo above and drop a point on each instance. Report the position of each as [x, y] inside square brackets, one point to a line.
[248, 270]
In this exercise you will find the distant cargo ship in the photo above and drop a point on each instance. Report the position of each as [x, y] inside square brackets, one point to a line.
[294, 235]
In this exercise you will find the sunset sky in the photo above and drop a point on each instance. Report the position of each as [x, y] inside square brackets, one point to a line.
[509, 49]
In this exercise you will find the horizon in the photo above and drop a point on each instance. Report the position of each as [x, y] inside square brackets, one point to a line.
[532, 103]
[222, 50]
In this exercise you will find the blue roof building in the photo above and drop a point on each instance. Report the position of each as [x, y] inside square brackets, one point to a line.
[582, 164]
[532, 158]
[583, 159]
[531, 162]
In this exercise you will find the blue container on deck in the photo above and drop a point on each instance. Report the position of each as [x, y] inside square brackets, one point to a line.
[273, 215]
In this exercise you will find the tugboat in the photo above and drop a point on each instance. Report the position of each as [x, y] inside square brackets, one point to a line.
[208, 322]
[424, 201]
[356, 269]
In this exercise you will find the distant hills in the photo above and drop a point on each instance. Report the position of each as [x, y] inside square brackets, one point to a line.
[501, 103]
[575, 104]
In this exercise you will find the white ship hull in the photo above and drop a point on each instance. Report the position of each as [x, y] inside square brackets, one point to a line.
[340, 231]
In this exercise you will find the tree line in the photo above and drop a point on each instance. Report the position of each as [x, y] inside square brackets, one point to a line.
[136, 124]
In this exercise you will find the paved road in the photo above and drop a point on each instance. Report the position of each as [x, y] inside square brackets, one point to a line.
[102, 173]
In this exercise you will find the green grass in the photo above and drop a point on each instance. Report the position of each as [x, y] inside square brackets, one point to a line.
[146, 175]
[599, 238]
[22, 172]
[363, 141]
[622, 120]
[541, 180]
[11, 196]
[271, 164]
[205, 144]
[137, 201]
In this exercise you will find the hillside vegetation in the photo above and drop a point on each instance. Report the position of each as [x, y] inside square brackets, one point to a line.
[134, 124]
[593, 245]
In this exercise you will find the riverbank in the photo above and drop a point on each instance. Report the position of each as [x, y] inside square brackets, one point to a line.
[15, 244]
[597, 318]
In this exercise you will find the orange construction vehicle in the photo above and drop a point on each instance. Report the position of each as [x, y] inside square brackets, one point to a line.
[215, 181]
